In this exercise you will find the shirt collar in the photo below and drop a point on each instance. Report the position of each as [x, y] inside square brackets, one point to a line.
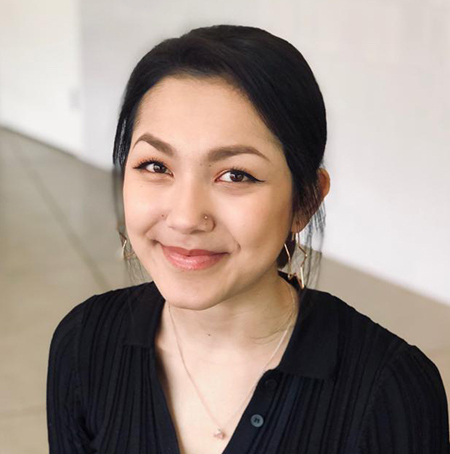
[312, 348]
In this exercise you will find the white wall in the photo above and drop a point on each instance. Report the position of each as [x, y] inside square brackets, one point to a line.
[40, 70]
[383, 66]
[385, 69]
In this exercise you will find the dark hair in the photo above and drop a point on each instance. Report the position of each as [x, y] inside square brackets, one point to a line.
[278, 81]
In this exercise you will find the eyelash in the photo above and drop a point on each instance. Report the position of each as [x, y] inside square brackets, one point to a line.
[237, 170]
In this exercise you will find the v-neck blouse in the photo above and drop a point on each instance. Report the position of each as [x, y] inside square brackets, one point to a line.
[344, 385]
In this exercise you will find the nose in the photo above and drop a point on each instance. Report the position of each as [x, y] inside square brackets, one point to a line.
[188, 204]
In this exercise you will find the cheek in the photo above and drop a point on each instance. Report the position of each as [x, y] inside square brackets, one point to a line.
[262, 224]
[138, 207]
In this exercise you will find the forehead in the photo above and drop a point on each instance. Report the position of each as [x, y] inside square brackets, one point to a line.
[210, 106]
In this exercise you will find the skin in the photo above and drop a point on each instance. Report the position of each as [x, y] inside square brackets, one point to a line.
[231, 313]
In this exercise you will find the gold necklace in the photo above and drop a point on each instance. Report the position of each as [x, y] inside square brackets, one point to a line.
[219, 433]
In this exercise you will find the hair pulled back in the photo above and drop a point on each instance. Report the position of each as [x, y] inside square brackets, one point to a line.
[278, 81]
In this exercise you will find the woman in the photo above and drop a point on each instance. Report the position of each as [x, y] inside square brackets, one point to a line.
[220, 145]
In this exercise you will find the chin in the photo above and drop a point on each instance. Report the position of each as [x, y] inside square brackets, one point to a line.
[185, 294]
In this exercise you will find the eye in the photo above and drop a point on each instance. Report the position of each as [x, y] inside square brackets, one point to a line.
[144, 164]
[240, 173]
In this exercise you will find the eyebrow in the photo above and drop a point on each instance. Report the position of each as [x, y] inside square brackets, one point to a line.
[214, 155]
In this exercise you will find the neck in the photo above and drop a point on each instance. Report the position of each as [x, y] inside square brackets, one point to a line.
[246, 326]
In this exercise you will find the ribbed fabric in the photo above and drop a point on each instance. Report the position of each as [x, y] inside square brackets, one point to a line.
[344, 385]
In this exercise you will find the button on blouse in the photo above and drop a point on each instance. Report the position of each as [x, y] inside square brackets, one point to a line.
[257, 420]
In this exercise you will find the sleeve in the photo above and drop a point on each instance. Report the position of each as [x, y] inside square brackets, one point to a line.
[409, 411]
[65, 421]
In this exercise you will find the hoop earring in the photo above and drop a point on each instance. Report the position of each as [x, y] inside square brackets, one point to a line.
[301, 279]
[124, 240]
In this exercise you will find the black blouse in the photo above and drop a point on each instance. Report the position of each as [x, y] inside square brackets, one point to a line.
[344, 385]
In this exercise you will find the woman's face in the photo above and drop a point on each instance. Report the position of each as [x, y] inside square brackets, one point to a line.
[197, 131]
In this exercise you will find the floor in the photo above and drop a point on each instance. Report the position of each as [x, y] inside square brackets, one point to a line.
[59, 246]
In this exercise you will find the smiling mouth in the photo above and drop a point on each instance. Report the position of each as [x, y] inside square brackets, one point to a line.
[192, 262]
[190, 252]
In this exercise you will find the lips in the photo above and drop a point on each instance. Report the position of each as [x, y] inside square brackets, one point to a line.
[202, 260]
[190, 252]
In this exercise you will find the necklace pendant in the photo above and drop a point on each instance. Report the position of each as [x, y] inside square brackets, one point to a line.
[219, 434]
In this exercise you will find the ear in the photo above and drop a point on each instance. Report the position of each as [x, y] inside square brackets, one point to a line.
[324, 182]
[298, 221]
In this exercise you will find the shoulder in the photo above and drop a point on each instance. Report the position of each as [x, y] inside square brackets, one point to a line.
[93, 307]
[401, 401]
[104, 314]
[363, 348]
[357, 333]
[405, 407]
[408, 408]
